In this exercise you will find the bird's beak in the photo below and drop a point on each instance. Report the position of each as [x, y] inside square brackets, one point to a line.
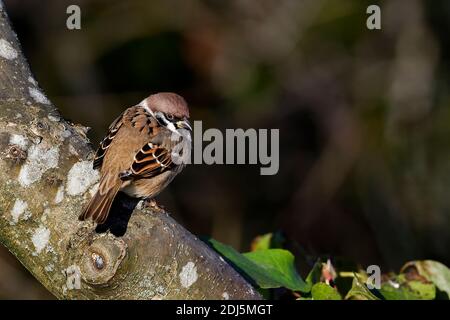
[184, 124]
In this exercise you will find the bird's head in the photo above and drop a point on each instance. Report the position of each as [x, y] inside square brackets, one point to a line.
[169, 109]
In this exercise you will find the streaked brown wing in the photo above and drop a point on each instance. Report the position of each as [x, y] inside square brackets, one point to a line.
[106, 142]
[150, 161]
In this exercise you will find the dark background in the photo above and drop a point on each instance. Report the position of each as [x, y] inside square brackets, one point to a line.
[364, 116]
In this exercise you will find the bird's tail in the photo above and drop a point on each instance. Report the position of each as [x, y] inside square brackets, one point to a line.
[100, 204]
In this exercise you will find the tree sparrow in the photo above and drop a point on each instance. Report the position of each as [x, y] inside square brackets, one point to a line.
[138, 155]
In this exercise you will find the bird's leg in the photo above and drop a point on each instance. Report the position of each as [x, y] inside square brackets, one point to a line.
[152, 204]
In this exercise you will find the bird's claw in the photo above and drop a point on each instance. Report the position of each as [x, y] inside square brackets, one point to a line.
[153, 205]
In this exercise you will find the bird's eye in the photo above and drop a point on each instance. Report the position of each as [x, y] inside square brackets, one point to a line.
[169, 117]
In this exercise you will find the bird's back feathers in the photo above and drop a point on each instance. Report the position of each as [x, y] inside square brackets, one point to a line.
[135, 157]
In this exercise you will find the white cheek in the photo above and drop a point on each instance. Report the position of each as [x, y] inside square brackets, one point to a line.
[172, 128]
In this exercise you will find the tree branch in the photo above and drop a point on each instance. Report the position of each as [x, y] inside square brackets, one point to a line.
[47, 177]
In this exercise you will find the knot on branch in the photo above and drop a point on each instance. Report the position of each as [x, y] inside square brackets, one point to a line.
[101, 259]
[98, 256]
[14, 147]
[16, 154]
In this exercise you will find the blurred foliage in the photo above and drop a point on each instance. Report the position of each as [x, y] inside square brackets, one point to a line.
[267, 268]
[270, 268]
[364, 116]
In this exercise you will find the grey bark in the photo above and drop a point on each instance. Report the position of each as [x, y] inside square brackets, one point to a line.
[46, 178]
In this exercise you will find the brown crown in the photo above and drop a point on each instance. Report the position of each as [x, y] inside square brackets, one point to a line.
[169, 103]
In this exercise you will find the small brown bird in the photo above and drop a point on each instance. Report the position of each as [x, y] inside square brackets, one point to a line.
[139, 155]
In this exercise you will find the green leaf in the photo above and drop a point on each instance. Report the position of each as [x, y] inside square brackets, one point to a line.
[262, 242]
[359, 291]
[414, 290]
[401, 288]
[269, 268]
[322, 291]
[315, 274]
[433, 271]
[280, 264]
[267, 241]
